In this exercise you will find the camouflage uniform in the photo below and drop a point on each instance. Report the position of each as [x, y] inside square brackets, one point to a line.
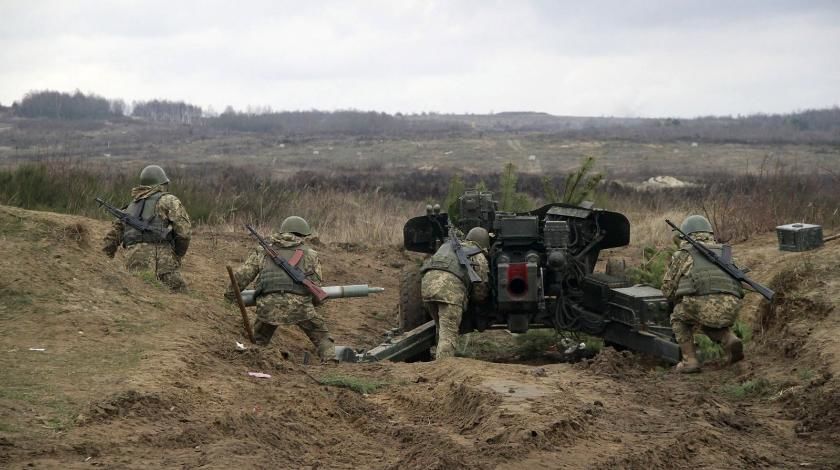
[711, 311]
[159, 258]
[446, 296]
[285, 308]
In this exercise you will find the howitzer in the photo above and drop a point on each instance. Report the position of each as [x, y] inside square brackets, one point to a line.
[541, 276]
[724, 263]
[298, 276]
[249, 297]
[130, 220]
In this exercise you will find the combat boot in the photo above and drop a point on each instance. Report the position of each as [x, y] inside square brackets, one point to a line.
[689, 363]
[733, 346]
[729, 342]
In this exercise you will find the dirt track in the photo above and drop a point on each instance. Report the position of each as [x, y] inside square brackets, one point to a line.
[135, 377]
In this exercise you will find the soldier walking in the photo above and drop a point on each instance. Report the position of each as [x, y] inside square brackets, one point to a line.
[704, 296]
[161, 249]
[447, 290]
[281, 301]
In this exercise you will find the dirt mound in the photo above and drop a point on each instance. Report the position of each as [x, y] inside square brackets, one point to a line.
[132, 403]
[616, 364]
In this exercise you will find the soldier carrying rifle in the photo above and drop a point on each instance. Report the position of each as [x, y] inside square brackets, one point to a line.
[287, 274]
[454, 276]
[154, 229]
[705, 286]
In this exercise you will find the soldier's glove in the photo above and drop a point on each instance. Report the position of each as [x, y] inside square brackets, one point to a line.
[180, 246]
[109, 250]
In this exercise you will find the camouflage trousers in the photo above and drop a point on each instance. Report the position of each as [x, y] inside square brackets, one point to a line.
[712, 311]
[157, 258]
[292, 309]
[445, 298]
[448, 319]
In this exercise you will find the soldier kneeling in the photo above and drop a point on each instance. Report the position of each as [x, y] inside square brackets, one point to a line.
[704, 295]
[281, 301]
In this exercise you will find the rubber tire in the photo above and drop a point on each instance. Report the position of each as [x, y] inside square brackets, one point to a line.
[411, 312]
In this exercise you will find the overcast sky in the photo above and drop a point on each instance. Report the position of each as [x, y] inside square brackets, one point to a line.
[611, 57]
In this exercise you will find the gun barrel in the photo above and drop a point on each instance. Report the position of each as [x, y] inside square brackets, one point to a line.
[333, 292]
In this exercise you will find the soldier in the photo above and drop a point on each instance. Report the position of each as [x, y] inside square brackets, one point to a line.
[280, 301]
[704, 295]
[446, 288]
[161, 249]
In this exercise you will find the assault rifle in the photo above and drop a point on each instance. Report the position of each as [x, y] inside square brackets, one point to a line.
[130, 220]
[462, 256]
[298, 276]
[725, 264]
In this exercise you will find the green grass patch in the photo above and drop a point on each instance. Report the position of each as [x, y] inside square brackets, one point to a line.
[150, 278]
[535, 343]
[356, 384]
[806, 375]
[708, 350]
[494, 345]
[54, 408]
[653, 266]
[483, 345]
[754, 388]
[743, 331]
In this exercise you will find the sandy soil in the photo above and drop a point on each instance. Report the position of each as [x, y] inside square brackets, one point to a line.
[132, 376]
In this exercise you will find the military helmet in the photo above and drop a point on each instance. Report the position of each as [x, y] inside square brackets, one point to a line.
[695, 223]
[153, 175]
[296, 225]
[480, 236]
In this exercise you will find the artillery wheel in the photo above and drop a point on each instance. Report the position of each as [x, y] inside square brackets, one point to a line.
[411, 313]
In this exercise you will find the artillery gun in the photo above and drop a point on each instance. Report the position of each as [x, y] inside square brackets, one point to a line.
[541, 276]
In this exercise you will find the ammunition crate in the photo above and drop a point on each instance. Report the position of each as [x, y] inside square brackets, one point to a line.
[597, 290]
[799, 237]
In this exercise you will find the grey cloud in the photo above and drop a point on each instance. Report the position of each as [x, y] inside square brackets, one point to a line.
[601, 57]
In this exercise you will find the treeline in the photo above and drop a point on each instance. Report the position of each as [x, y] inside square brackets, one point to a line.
[330, 123]
[59, 105]
[177, 112]
[810, 126]
[821, 126]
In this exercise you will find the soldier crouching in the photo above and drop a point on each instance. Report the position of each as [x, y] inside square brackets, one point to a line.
[704, 294]
[281, 301]
[161, 249]
[447, 290]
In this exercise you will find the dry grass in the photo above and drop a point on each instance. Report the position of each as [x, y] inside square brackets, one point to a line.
[370, 208]
[365, 218]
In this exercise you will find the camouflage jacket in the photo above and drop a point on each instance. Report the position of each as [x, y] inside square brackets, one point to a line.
[680, 265]
[445, 287]
[248, 272]
[168, 208]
